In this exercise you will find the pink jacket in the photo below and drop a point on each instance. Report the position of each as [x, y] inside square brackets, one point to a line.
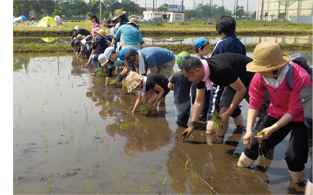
[283, 100]
[95, 28]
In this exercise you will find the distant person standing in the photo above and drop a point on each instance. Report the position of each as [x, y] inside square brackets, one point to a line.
[209, 20]
[95, 26]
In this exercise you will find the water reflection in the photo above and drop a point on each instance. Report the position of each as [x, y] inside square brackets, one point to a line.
[179, 40]
[244, 40]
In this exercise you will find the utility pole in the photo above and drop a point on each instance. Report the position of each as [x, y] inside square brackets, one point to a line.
[100, 11]
[262, 10]
[182, 6]
[247, 9]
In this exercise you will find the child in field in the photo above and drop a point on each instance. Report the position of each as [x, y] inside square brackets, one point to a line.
[82, 44]
[181, 86]
[202, 50]
[151, 89]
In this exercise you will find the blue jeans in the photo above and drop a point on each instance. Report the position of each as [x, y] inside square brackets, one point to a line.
[182, 112]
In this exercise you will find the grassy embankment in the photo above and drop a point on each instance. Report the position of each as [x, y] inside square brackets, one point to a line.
[165, 30]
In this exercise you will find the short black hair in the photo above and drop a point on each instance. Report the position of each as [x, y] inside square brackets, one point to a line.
[190, 63]
[226, 25]
[202, 47]
[71, 32]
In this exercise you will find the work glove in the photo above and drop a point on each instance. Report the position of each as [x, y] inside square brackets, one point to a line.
[119, 78]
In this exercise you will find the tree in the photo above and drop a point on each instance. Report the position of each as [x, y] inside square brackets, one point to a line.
[106, 14]
[253, 15]
[163, 7]
[240, 11]
[57, 13]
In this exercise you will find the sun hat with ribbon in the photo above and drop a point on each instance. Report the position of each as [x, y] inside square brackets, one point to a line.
[133, 80]
[100, 32]
[118, 13]
[134, 21]
[267, 56]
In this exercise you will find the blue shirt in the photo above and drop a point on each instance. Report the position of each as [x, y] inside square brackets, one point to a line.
[130, 35]
[121, 53]
[156, 56]
[229, 44]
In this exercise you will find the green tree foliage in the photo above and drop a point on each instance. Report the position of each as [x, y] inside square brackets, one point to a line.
[106, 14]
[163, 7]
[57, 13]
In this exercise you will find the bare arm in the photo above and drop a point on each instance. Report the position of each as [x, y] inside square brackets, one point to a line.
[153, 70]
[170, 85]
[143, 45]
[247, 138]
[138, 101]
[113, 42]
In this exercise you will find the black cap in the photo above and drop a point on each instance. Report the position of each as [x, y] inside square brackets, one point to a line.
[92, 16]
[130, 56]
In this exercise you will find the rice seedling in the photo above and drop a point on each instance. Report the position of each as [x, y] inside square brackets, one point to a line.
[46, 101]
[197, 176]
[71, 132]
[44, 140]
[48, 179]
[100, 72]
[46, 151]
[167, 148]
[152, 168]
[130, 186]
[113, 81]
[217, 120]
[63, 123]
[41, 110]
[90, 173]
[110, 155]
[78, 158]
[144, 189]
[186, 166]
[91, 107]
[16, 143]
[164, 179]
[96, 127]
[99, 191]
[124, 83]
[60, 94]
[145, 109]
[41, 160]
[79, 146]
[122, 172]
[261, 145]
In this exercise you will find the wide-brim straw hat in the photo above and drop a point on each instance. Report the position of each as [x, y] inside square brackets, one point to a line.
[101, 32]
[267, 57]
[133, 80]
[118, 13]
[134, 21]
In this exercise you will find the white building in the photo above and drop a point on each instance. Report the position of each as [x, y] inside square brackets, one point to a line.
[283, 10]
[169, 16]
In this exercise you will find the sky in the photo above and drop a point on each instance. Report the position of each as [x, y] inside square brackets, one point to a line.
[228, 4]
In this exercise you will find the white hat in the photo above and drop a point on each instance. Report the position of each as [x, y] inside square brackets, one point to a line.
[108, 51]
[102, 59]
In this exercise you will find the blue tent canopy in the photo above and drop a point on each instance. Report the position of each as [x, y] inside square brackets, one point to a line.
[24, 17]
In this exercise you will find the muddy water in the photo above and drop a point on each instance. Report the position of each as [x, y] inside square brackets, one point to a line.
[74, 135]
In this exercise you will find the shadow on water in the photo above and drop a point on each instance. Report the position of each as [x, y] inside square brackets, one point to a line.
[77, 131]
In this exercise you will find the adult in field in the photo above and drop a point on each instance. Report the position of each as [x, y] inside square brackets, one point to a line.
[227, 69]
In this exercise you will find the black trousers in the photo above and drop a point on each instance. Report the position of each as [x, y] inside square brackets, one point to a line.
[297, 150]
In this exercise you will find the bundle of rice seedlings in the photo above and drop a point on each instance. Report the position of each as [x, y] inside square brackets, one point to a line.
[113, 81]
[217, 120]
[145, 109]
[100, 72]
[261, 145]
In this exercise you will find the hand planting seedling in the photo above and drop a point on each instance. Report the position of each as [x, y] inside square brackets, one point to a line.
[100, 72]
[113, 81]
[145, 109]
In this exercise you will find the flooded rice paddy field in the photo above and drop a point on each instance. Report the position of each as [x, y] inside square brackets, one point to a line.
[184, 40]
[74, 135]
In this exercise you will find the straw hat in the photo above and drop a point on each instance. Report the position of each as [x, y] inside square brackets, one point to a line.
[100, 32]
[118, 13]
[267, 57]
[133, 80]
[134, 21]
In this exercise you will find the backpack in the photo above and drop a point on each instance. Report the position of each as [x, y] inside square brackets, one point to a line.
[301, 61]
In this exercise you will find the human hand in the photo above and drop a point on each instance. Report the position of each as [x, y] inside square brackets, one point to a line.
[119, 78]
[264, 134]
[247, 139]
[186, 133]
[224, 117]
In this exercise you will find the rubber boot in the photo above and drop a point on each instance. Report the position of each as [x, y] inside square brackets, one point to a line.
[297, 177]
[244, 161]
